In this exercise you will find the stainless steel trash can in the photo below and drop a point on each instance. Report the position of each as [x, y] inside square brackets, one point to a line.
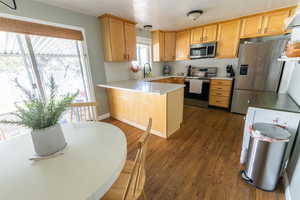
[264, 163]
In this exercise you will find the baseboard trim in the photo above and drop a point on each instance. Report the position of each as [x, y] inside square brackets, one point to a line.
[104, 116]
[158, 133]
[286, 183]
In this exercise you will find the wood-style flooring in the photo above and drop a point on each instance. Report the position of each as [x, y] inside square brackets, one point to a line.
[200, 161]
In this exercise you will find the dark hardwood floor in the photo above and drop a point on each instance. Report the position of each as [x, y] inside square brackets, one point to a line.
[200, 161]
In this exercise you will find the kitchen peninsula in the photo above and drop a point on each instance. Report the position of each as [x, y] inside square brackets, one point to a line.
[133, 102]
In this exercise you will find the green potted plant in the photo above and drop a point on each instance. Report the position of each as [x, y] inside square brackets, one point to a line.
[42, 117]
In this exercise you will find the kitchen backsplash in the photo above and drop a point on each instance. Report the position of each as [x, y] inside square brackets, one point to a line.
[181, 66]
[121, 71]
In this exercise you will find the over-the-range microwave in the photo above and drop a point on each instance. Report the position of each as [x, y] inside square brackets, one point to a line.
[206, 50]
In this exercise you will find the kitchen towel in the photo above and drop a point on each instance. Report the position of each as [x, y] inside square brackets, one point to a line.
[196, 86]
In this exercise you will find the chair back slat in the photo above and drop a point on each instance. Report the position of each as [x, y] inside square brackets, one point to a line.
[84, 111]
[138, 173]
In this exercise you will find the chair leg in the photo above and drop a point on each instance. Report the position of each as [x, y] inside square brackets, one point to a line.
[144, 195]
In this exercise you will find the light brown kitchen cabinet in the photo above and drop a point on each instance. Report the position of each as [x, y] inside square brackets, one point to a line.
[130, 41]
[170, 46]
[196, 35]
[228, 39]
[118, 38]
[182, 45]
[204, 34]
[163, 46]
[158, 42]
[252, 26]
[220, 93]
[274, 22]
[175, 80]
[210, 33]
[265, 24]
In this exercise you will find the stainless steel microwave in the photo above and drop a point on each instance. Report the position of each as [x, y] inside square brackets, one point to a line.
[206, 50]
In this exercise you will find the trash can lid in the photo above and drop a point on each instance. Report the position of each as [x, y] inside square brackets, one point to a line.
[271, 131]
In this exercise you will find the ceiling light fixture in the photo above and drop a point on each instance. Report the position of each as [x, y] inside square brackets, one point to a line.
[11, 5]
[194, 14]
[148, 27]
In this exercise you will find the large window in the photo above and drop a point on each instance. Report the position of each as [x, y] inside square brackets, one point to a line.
[31, 60]
[143, 52]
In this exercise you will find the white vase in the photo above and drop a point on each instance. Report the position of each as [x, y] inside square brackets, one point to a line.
[49, 140]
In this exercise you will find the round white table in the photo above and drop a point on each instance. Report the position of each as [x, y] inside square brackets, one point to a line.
[91, 163]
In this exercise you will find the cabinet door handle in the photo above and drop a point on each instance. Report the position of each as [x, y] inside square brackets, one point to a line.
[125, 56]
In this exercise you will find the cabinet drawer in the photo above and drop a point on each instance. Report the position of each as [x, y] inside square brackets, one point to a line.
[221, 82]
[219, 101]
[220, 93]
[221, 87]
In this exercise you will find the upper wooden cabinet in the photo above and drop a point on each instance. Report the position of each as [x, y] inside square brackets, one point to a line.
[158, 42]
[119, 38]
[228, 39]
[130, 40]
[163, 46]
[274, 22]
[210, 33]
[265, 24]
[251, 26]
[182, 45]
[196, 35]
[170, 46]
[204, 34]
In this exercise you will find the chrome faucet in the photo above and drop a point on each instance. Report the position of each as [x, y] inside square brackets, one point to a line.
[149, 69]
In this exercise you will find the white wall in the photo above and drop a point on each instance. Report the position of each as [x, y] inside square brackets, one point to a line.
[181, 66]
[286, 77]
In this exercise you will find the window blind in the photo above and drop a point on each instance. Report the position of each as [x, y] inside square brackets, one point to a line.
[24, 27]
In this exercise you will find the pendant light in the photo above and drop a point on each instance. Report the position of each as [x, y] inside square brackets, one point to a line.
[11, 5]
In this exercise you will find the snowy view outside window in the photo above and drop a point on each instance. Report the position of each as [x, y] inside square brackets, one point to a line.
[21, 54]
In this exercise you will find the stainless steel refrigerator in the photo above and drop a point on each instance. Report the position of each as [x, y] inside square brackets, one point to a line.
[258, 71]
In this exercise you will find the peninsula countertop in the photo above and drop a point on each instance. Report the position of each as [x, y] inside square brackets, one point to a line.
[143, 86]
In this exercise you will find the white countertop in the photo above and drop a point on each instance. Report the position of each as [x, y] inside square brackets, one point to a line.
[143, 86]
[222, 78]
[170, 76]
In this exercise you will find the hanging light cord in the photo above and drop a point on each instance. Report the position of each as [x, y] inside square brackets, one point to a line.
[14, 7]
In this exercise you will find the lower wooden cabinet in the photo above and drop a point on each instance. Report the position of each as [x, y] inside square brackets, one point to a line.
[175, 80]
[220, 93]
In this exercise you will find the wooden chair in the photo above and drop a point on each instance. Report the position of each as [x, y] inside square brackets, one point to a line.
[130, 184]
[84, 111]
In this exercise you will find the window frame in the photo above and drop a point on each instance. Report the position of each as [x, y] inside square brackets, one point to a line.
[147, 42]
[83, 49]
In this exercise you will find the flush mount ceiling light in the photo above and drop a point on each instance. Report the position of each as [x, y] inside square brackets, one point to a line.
[194, 14]
[148, 27]
[10, 3]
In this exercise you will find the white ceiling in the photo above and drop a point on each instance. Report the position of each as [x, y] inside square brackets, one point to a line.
[170, 14]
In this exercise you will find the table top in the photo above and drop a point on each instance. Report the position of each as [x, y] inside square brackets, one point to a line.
[95, 156]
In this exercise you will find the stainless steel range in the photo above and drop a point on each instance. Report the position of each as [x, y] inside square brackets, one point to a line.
[199, 73]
